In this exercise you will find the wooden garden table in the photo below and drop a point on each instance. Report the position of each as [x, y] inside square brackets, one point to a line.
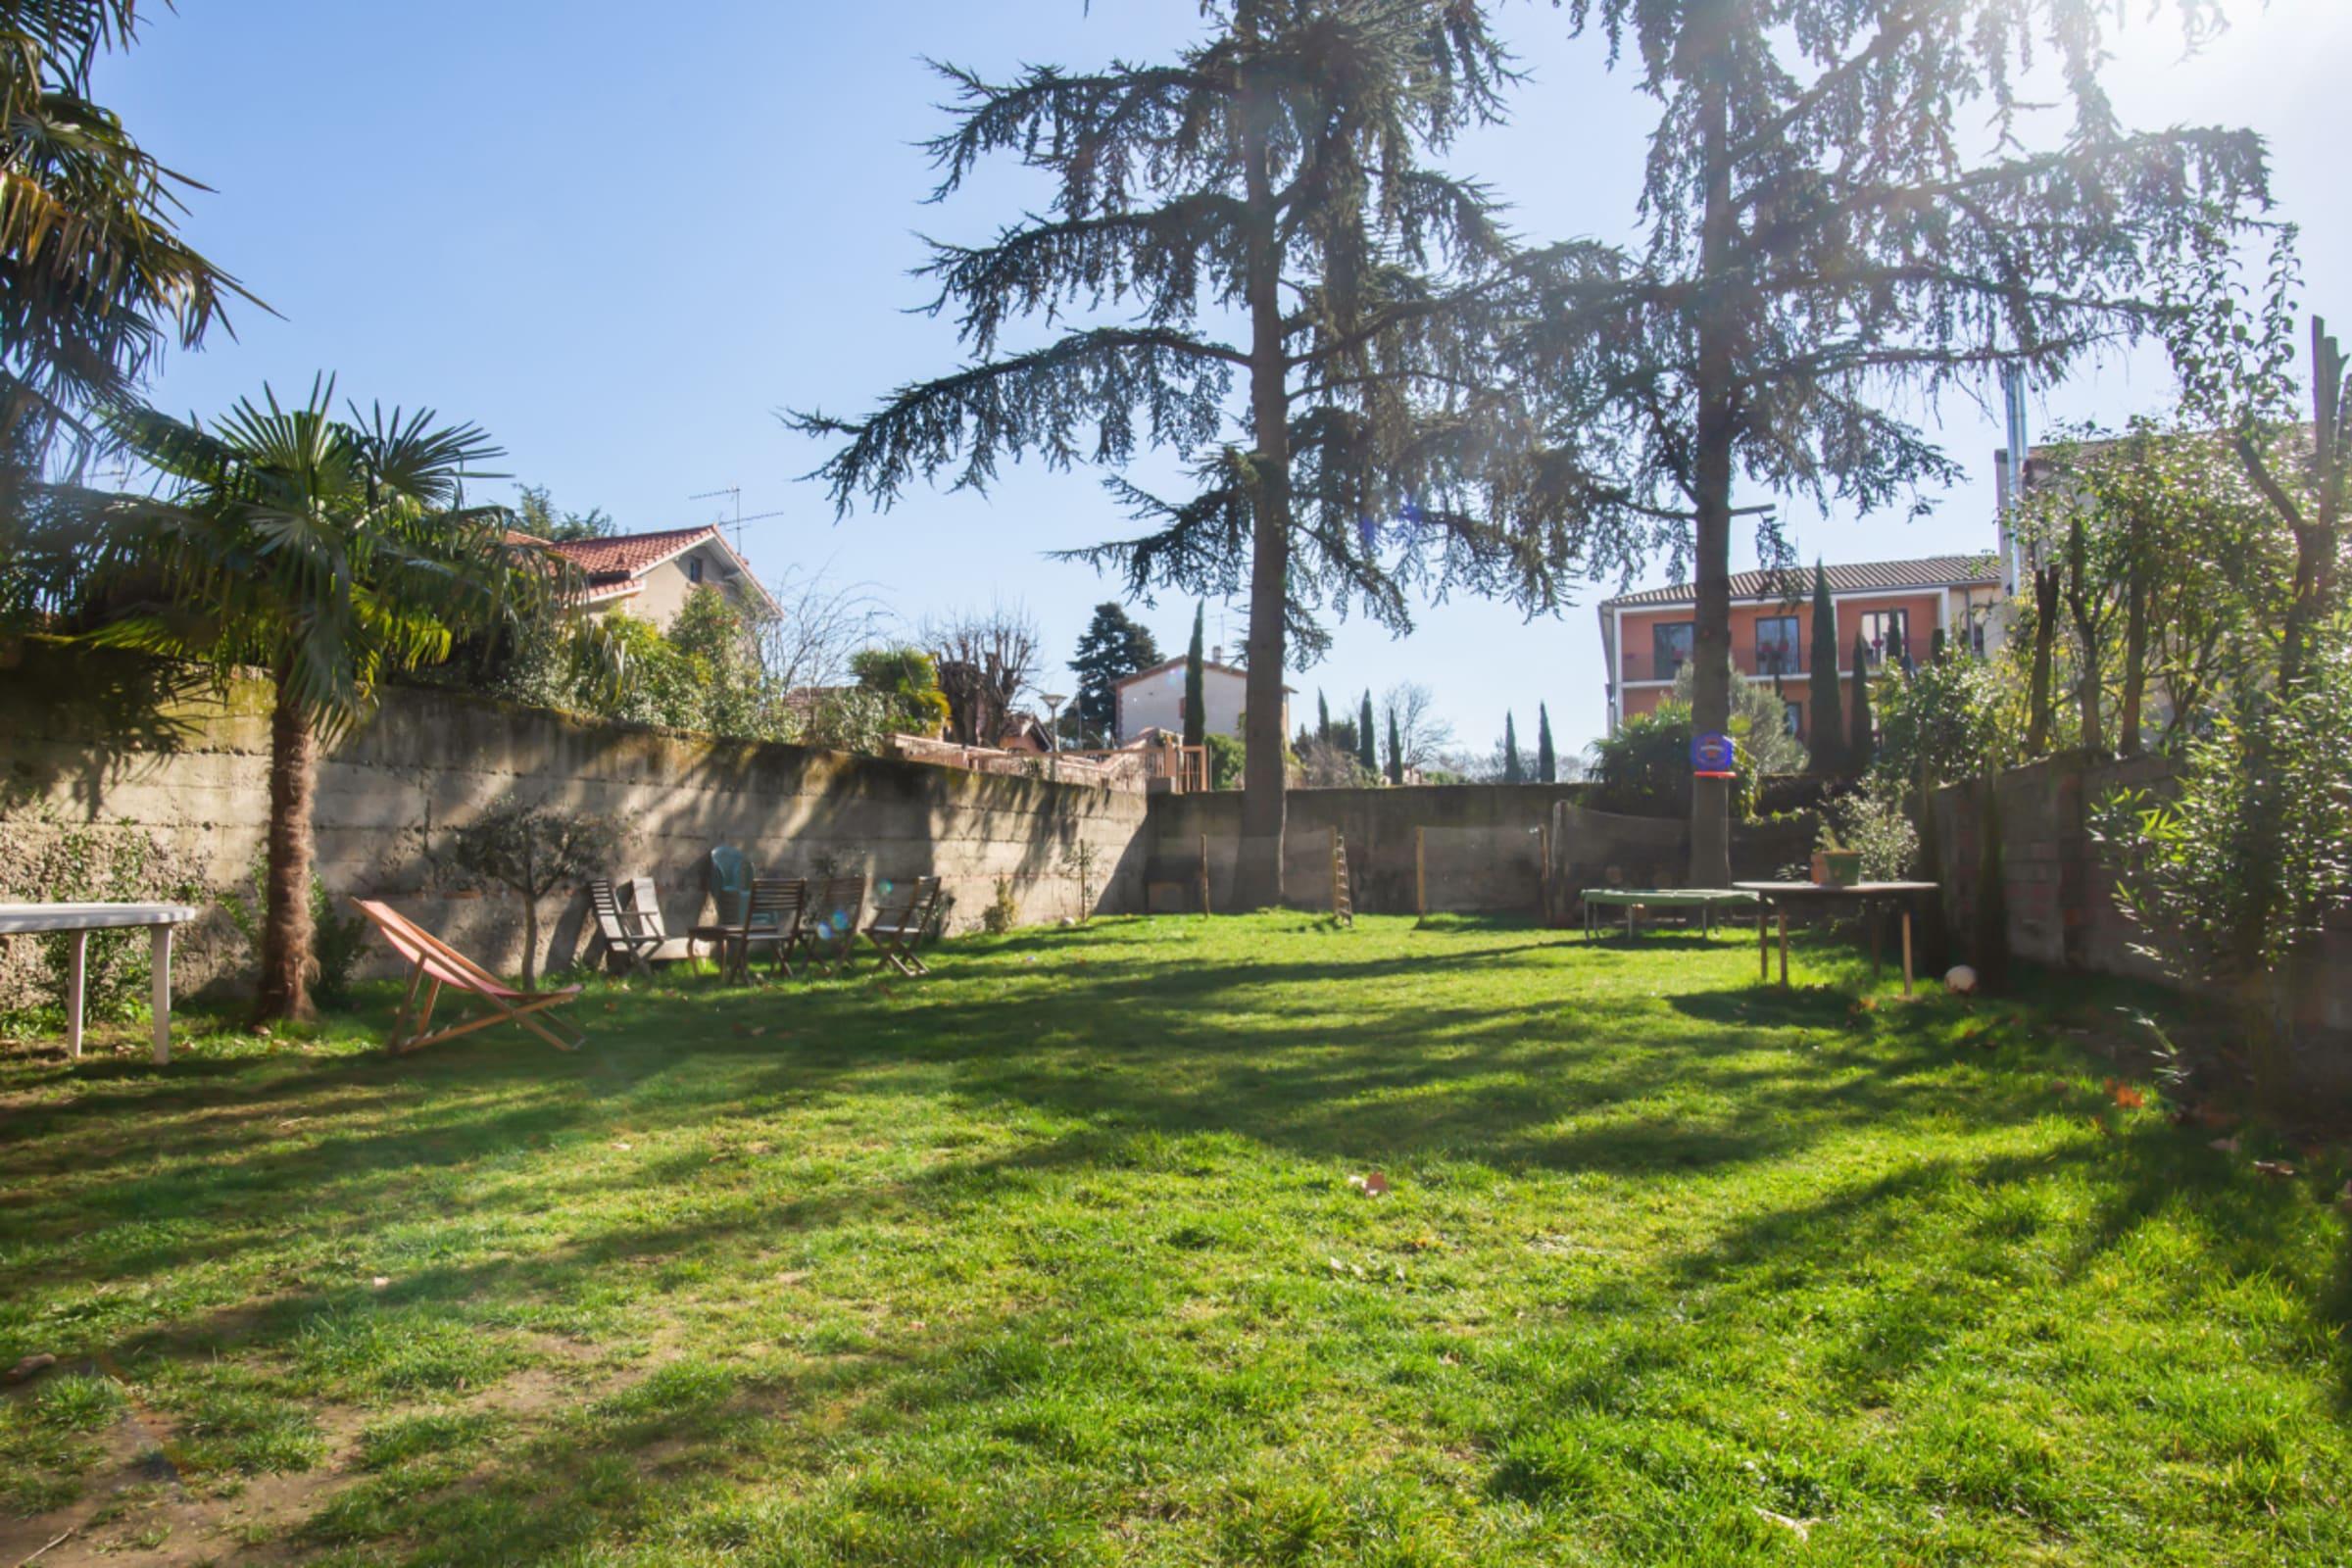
[80, 919]
[1779, 896]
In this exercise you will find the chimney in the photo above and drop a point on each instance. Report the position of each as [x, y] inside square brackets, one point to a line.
[1216, 655]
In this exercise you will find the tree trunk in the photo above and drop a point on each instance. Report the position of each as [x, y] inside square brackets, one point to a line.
[1711, 460]
[2136, 660]
[1258, 874]
[284, 990]
[2083, 599]
[2046, 580]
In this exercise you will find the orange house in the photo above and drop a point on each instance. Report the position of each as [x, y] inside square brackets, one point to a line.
[1893, 606]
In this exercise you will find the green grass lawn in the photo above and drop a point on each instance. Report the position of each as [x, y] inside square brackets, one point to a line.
[1056, 1258]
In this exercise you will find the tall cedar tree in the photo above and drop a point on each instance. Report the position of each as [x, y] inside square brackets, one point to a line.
[1860, 744]
[1547, 761]
[1113, 647]
[1272, 175]
[1395, 751]
[1824, 250]
[1514, 771]
[1195, 687]
[1367, 736]
[1825, 743]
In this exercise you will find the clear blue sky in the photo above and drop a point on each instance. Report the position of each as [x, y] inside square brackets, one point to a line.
[621, 239]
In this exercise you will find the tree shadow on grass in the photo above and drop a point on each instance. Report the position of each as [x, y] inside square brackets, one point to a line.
[1308, 1061]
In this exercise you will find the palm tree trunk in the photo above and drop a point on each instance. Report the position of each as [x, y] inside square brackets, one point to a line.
[284, 991]
[1257, 872]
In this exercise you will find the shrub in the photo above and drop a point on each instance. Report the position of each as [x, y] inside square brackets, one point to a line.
[533, 849]
[1226, 757]
[1004, 912]
[1645, 768]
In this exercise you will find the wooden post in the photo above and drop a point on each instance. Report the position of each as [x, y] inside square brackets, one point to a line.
[1335, 874]
[1205, 875]
[74, 974]
[1543, 874]
[1784, 947]
[1763, 946]
[1906, 950]
[1420, 879]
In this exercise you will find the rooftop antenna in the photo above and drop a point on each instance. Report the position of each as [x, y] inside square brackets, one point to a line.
[734, 493]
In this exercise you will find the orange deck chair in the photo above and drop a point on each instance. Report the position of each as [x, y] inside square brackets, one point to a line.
[434, 963]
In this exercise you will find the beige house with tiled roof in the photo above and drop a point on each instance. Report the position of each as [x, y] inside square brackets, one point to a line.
[650, 575]
[1646, 637]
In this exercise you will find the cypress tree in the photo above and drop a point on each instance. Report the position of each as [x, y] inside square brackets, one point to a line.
[1322, 718]
[1548, 761]
[1395, 751]
[1196, 690]
[1513, 770]
[1825, 738]
[1859, 742]
[1367, 738]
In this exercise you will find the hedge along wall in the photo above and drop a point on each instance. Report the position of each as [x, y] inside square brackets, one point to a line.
[2061, 892]
[100, 753]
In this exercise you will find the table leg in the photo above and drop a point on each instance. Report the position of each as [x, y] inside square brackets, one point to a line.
[1763, 947]
[1906, 950]
[160, 959]
[1869, 918]
[1629, 921]
[77, 967]
[1783, 948]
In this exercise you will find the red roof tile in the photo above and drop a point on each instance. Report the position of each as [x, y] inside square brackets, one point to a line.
[625, 555]
[1930, 572]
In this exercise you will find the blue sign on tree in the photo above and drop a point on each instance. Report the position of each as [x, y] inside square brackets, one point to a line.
[1713, 756]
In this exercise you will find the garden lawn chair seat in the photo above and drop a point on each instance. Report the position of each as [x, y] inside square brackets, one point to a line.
[434, 963]
[634, 929]
[900, 924]
[771, 919]
[829, 928]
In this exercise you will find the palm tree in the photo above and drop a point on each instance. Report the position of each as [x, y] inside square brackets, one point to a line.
[327, 553]
[94, 280]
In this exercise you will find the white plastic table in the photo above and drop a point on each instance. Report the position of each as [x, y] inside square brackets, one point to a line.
[80, 919]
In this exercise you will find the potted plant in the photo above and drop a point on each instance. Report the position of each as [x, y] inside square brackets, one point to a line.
[1834, 864]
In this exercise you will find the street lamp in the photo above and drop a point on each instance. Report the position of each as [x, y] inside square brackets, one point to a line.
[1053, 702]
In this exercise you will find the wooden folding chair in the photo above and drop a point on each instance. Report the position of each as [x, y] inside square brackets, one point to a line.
[434, 963]
[772, 919]
[900, 924]
[829, 929]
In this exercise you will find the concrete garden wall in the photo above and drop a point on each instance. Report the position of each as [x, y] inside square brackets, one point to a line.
[180, 786]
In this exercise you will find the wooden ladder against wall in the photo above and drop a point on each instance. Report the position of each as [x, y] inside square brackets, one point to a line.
[1342, 897]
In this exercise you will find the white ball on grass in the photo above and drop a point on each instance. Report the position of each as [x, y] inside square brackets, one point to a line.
[1961, 978]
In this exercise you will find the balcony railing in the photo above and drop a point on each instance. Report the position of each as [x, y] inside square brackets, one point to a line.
[1774, 659]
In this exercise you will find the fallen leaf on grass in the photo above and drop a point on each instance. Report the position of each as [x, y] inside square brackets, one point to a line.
[33, 1364]
[2227, 1146]
[1802, 1528]
[1374, 1185]
[622, 1143]
[2274, 1167]
[381, 1280]
[2129, 1097]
